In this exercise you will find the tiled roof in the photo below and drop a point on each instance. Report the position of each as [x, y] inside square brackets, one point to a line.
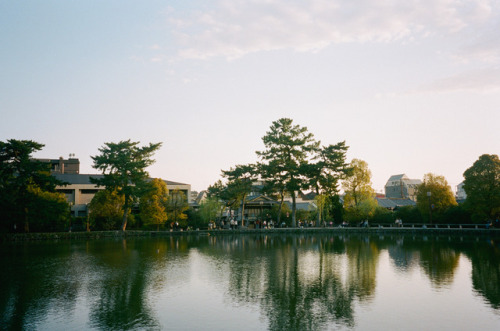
[393, 203]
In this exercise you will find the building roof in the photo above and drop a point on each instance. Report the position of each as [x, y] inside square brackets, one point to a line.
[85, 179]
[75, 178]
[398, 177]
[394, 203]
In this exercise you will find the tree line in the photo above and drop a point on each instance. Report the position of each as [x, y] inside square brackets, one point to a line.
[292, 161]
[29, 200]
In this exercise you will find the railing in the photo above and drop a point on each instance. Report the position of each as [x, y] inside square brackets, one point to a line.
[433, 226]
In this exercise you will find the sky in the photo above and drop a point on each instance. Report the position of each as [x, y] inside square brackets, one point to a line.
[411, 86]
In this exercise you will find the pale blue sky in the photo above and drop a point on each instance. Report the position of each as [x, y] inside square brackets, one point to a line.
[411, 86]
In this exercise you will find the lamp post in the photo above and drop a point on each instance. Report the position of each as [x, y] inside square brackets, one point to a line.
[430, 207]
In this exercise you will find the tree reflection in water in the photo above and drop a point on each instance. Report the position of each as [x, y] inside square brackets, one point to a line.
[297, 282]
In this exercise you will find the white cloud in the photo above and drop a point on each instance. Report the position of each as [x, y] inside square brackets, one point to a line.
[238, 27]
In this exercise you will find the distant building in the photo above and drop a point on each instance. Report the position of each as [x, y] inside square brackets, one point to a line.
[63, 166]
[402, 187]
[79, 191]
[461, 195]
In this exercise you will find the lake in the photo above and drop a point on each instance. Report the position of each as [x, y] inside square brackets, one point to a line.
[334, 281]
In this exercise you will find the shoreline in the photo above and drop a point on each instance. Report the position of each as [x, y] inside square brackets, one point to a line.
[96, 235]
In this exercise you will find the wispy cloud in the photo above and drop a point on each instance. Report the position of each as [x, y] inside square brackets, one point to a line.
[481, 80]
[238, 27]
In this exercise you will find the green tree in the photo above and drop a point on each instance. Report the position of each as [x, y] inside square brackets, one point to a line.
[359, 201]
[23, 183]
[177, 206]
[357, 185]
[47, 211]
[153, 203]
[123, 165]
[224, 194]
[408, 214]
[106, 210]
[439, 201]
[325, 174]
[482, 186]
[210, 208]
[239, 185]
[287, 148]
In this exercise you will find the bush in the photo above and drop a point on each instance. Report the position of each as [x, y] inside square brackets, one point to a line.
[457, 215]
[383, 216]
[408, 214]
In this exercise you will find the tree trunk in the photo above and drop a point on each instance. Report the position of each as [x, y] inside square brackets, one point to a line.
[125, 213]
[124, 219]
[318, 220]
[243, 211]
[294, 208]
[282, 195]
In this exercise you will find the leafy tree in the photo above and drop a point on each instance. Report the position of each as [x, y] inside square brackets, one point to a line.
[47, 211]
[359, 200]
[123, 165]
[482, 186]
[210, 208]
[23, 183]
[441, 197]
[239, 185]
[177, 206]
[364, 210]
[221, 192]
[408, 214]
[153, 203]
[287, 148]
[321, 201]
[457, 215]
[357, 185]
[106, 210]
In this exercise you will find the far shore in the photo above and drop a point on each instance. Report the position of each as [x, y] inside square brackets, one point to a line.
[33, 237]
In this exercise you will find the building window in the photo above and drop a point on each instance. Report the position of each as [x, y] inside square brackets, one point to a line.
[89, 191]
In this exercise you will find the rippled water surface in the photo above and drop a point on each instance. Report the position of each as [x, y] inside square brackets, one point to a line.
[252, 282]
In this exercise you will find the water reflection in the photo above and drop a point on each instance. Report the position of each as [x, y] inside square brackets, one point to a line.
[299, 282]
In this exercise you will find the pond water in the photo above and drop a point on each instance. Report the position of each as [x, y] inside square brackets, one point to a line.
[252, 282]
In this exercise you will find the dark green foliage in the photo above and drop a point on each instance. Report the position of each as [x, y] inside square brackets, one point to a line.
[194, 219]
[408, 214]
[47, 211]
[456, 215]
[24, 187]
[482, 185]
[383, 216]
[287, 149]
[335, 209]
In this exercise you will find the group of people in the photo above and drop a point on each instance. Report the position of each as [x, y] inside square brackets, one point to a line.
[305, 224]
[264, 224]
